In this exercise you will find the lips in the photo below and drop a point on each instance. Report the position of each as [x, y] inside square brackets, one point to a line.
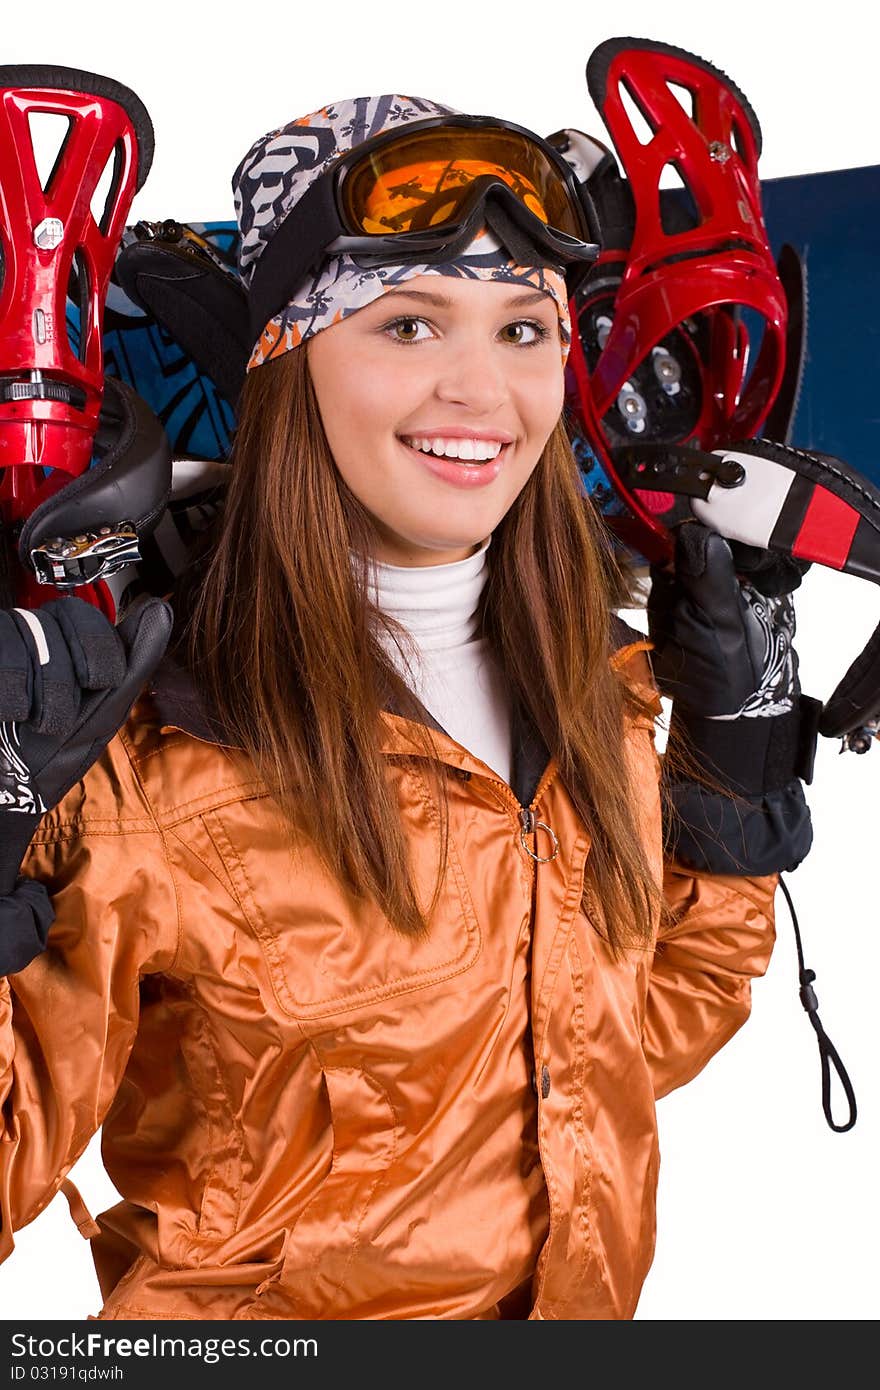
[460, 473]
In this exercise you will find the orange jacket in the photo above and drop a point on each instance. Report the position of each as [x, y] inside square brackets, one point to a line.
[309, 1116]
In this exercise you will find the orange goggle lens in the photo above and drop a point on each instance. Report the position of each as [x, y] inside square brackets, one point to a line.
[429, 194]
[423, 180]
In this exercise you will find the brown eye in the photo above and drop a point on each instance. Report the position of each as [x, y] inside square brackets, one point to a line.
[525, 333]
[515, 332]
[407, 329]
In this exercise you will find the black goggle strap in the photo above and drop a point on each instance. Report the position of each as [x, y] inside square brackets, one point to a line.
[296, 245]
[828, 1053]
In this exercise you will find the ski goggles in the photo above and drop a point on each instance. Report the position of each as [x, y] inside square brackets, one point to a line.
[421, 194]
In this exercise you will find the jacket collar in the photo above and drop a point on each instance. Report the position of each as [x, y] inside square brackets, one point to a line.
[179, 705]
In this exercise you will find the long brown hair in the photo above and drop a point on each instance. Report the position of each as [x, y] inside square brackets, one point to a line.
[280, 636]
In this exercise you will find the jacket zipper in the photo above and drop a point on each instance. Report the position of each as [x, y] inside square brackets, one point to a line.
[530, 826]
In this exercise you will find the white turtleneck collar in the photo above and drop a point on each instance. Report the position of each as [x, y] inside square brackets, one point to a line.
[454, 673]
[437, 604]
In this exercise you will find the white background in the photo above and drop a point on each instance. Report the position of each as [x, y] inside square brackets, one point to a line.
[764, 1213]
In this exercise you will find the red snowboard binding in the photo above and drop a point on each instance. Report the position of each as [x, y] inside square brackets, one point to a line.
[685, 328]
[59, 239]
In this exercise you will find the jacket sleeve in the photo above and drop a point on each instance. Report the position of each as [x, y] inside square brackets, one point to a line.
[68, 1019]
[715, 936]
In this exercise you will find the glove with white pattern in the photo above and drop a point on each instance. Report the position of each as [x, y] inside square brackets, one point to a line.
[723, 652]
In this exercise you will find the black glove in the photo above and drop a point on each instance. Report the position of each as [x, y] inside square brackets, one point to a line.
[723, 649]
[68, 679]
[724, 654]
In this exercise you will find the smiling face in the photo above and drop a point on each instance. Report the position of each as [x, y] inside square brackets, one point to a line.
[437, 400]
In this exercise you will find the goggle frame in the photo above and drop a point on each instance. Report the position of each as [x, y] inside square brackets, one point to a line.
[319, 225]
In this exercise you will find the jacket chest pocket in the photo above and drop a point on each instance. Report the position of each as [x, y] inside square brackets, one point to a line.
[327, 950]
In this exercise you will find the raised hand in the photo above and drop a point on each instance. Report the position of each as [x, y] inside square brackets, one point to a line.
[68, 680]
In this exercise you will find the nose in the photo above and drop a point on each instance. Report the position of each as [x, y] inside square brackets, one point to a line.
[473, 374]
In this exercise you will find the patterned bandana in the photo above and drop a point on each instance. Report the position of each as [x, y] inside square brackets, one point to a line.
[275, 174]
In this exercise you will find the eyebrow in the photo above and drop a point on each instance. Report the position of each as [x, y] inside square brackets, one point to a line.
[441, 301]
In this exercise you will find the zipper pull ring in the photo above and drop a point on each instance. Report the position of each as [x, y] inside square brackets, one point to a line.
[531, 826]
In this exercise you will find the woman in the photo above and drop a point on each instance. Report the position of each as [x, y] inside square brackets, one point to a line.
[360, 953]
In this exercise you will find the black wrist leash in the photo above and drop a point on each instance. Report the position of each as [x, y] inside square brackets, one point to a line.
[827, 1051]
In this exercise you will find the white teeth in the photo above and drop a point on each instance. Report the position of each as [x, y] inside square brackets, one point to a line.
[485, 449]
[479, 450]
